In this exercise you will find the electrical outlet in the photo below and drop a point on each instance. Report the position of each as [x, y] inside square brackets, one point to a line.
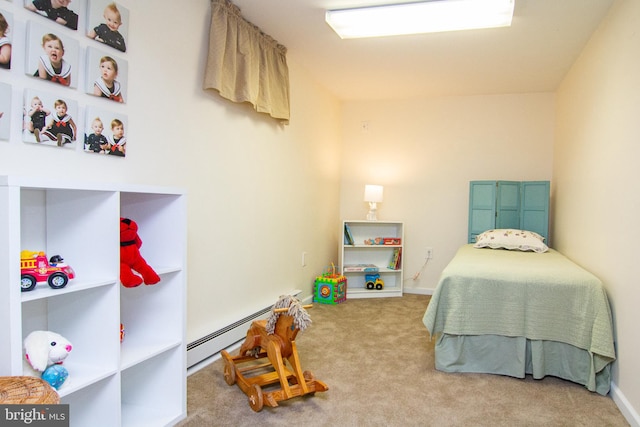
[429, 252]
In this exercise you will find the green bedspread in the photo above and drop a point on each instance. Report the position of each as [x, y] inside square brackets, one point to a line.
[523, 294]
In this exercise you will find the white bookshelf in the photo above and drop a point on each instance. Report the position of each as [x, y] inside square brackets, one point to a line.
[141, 381]
[379, 255]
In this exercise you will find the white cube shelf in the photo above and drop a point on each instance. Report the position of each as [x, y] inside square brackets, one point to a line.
[110, 383]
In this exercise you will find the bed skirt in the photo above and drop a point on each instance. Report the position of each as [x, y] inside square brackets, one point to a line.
[519, 356]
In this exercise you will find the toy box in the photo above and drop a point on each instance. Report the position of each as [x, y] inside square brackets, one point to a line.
[330, 288]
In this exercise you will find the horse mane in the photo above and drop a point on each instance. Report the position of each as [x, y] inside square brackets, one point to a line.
[301, 318]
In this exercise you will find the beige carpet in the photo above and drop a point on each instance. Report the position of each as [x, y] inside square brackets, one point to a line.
[376, 357]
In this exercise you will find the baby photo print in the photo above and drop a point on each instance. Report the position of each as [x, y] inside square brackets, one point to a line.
[6, 23]
[49, 119]
[59, 11]
[51, 56]
[108, 23]
[5, 111]
[106, 75]
[105, 132]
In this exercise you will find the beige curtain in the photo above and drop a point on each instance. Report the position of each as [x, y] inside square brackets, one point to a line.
[244, 64]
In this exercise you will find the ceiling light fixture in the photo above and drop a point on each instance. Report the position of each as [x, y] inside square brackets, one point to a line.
[421, 17]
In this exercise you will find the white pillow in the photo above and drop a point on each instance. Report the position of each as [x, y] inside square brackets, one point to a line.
[508, 238]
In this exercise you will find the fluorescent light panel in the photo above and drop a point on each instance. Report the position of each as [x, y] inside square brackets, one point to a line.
[422, 17]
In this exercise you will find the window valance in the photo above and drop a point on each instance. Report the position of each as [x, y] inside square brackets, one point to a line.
[244, 64]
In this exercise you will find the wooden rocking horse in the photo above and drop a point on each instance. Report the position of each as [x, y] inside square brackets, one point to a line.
[272, 339]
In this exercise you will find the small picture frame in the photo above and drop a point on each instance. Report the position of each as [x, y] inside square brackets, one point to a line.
[105, 132]
[49, 119]
[107, 75]
[55, 10]
[5, 111]
[52, 56]
[108, 23]
[6, 25]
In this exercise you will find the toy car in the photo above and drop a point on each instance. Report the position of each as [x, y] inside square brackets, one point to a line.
[373, 281]
[34, 268]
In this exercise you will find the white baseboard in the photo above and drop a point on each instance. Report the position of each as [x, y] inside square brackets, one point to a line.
[235, 345]
[418, 291]
[628, 411]
[209, 360]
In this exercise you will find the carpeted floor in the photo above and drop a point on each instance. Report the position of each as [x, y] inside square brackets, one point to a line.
[378, 361]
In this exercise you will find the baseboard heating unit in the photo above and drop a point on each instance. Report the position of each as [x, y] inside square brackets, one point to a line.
[226, 336]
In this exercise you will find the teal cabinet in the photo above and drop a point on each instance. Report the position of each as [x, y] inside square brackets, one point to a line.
[508, 204]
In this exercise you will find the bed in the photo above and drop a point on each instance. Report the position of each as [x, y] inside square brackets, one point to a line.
[514, 313]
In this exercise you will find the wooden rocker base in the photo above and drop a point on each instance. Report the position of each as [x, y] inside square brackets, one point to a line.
[267, 368]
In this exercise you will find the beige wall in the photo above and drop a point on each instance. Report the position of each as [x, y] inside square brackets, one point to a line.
[596, 176]
[259, 193]
[425, 152]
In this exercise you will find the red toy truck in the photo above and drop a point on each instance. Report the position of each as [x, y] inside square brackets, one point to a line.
[34, 268]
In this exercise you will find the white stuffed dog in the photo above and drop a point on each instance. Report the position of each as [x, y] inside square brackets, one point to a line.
[43, 349]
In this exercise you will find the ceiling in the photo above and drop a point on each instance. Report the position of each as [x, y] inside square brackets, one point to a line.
[532, 55]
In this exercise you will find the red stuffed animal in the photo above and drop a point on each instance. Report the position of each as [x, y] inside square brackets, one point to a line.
[130, 258]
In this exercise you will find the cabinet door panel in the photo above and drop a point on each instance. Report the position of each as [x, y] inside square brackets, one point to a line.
[534, 215]
[508, 205]
[482, 207]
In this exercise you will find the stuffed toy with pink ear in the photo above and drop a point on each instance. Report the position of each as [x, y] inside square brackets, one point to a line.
[130, 258]
[44, 352]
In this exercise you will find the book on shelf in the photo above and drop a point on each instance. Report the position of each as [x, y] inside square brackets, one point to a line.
[365, 268]
[396, 259]
[348, 237]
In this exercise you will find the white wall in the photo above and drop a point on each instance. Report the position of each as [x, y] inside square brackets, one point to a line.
[259, 193]
[425, 152]
[596, 175]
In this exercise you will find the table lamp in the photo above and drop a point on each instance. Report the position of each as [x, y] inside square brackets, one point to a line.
[373, 195]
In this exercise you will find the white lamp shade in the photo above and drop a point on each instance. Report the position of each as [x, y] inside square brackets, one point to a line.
[373, 193]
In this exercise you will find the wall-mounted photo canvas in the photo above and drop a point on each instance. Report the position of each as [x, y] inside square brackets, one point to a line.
[49, 119]
[108, 23]
[59, 11]
[106, 75]
[105, 132]
[52, 56]
[5, 111]
[6, 25]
